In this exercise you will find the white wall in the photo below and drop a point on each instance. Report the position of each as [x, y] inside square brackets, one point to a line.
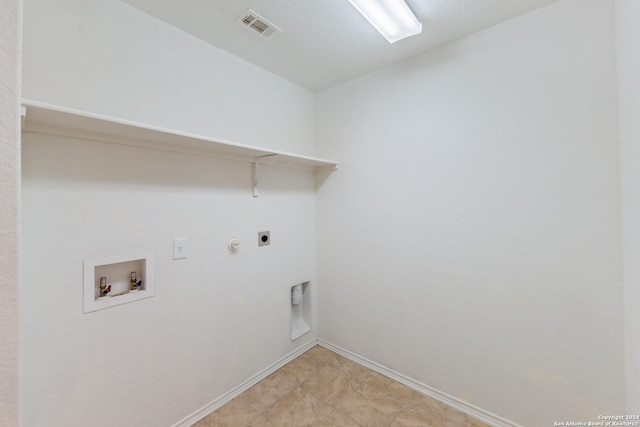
[628, 55]
[216, 318]
[10, 31]
[471, 238]
[106, 57]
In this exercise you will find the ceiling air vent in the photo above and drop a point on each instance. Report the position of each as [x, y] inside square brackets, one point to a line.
[257, 23]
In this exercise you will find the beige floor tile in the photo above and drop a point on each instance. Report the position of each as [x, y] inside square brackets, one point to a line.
[417, 402]
[268, 391]
[336, 419]
[329, 384]
[300, 369]
[261, 421]
[413, 419]
[381, 387]
[455, 418]
[350, 368]
[233, 414]
[322, 355]
[366, 411]
[297, 409]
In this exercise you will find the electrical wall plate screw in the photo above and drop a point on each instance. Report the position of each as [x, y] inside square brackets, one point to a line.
[264, 238]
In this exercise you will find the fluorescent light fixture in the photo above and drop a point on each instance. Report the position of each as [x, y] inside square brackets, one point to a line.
[392, 18]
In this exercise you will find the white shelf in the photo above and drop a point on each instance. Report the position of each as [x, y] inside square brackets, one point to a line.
[55, 120]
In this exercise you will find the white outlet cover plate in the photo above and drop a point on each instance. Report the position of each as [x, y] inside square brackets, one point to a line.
[180, 248]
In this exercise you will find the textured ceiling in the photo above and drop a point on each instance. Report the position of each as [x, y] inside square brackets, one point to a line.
[326, 42]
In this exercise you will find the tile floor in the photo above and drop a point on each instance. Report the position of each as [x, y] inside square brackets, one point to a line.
[321, 388]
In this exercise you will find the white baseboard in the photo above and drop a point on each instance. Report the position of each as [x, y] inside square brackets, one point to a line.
[460, 405]
[238, 390]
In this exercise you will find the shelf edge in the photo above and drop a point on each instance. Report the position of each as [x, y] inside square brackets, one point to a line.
[83, 124]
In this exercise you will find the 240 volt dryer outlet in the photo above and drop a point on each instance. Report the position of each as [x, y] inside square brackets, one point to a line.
[264, 238]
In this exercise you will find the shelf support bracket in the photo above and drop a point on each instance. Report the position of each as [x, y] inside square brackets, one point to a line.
[256, 180]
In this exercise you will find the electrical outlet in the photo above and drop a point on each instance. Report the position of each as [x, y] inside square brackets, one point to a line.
[264, 238]
[180, 248]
